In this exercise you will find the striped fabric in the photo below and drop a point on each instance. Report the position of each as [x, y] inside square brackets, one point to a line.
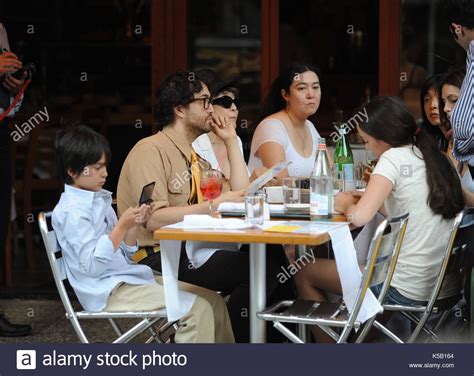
[462, 117]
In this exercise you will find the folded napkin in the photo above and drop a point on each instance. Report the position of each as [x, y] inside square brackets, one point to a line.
[202, 221]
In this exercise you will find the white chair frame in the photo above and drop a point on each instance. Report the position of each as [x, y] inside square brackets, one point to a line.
[153, 321]
[381, 260]
[456, 253]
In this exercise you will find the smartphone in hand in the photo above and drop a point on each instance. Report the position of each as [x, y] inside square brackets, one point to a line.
[147, 194]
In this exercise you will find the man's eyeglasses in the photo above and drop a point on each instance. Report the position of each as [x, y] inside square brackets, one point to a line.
[206, 101]
[226, 102]
[452, 29]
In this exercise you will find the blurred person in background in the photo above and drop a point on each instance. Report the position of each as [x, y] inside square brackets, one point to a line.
[430, 121]
[9, 89]
[450, 91]
[460, 16]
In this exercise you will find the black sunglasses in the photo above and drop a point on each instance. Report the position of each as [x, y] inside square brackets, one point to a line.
[226, 102]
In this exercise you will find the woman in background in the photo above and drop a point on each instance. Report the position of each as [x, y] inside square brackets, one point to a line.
[430, 111]
[285, 133]
[449, 93]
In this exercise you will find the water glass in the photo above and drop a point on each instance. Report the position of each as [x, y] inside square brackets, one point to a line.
[254, 207]
[359, 175]
[291, 192]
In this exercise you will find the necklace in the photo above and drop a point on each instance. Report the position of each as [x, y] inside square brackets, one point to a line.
[302, 138]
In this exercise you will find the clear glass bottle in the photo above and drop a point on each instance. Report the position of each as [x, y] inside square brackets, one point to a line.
[321, 186]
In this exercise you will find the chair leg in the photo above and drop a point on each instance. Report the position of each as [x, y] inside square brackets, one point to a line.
[441, 320]
[78, 329]
[419, 327]
[136, 330]
[365, 330]
[116, 327]
[345, 334]
[387, 332]
[287, 332]
[329, 332]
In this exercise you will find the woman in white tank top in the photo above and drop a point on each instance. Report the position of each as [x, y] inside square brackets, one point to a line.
[286, 133]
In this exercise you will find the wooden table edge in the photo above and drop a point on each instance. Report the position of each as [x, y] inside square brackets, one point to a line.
[241, 236]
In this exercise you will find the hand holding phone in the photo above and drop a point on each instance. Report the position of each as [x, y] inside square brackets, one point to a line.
[147, 194]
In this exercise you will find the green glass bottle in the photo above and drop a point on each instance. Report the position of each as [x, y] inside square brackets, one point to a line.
[343, 158]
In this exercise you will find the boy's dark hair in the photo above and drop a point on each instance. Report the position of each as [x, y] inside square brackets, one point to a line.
[177, 89]
[460, 12]
[77, 148]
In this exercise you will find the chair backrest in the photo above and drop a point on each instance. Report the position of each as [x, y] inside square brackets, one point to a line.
[450, 281]
[56, 260]
[382, 257]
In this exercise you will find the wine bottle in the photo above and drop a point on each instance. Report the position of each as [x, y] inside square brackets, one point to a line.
[343, 157]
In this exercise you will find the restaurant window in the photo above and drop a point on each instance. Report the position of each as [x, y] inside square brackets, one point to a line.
[426, 48]
[226, 36]
[93, 66]
[342, 40]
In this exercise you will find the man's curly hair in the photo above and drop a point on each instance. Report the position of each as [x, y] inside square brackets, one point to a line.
[177, 89]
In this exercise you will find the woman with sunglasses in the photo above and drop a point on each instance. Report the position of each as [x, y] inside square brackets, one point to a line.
[226, 105]
[285, 133]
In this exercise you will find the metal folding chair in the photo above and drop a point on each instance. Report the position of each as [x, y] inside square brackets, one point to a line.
[452, 273]
[153, 321]
[381, 259]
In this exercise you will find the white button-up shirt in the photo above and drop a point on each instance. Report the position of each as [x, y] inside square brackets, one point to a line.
[82, 221]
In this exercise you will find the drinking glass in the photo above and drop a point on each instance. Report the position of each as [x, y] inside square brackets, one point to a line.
[254, 207]
[211, 185]
[291, 192]
[359, 175]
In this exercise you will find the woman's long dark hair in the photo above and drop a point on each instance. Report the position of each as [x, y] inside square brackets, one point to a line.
[390, 121]
[274, 101]
[454, 77]
[434, 82]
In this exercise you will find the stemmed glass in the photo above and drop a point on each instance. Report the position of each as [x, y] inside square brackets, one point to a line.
[211, 185]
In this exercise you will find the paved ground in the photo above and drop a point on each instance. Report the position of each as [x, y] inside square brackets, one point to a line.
[51, 326]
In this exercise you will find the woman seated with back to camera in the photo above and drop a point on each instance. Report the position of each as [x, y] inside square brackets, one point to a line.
[412, 176]
[285, 133]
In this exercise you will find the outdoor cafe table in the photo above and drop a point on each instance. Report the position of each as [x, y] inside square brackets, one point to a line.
[257, 240]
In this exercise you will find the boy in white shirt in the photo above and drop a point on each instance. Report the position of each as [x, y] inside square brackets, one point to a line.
[96, 247]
